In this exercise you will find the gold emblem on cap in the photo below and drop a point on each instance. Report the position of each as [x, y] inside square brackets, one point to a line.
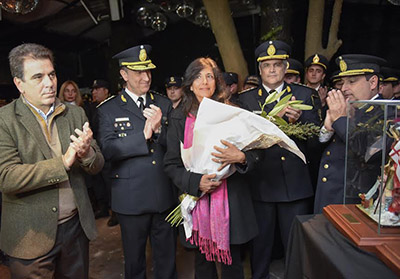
[271, 49]
[142, 55]
[342, 64]
[315, 59]
[172, 79]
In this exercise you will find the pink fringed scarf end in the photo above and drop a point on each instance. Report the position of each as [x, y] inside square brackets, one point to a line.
[210, 249]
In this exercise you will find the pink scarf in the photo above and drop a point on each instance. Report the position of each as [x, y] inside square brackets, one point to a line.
[210, 216]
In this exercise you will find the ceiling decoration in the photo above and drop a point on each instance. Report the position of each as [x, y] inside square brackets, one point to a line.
[19, 6]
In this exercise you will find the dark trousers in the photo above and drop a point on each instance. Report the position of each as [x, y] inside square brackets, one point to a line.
[69, 258]
[207, 270]
[134, 232]
[268, 214]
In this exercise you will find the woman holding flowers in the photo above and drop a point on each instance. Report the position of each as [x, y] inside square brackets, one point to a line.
[223, 217]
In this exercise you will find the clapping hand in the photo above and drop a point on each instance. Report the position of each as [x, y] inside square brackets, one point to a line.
[153, 116]
[80, 146]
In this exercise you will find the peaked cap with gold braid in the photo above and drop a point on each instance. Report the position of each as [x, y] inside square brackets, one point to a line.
[295, 67]
[272, 50]
[317, 59]
[136, 58]
[359, 64]
[390, 74]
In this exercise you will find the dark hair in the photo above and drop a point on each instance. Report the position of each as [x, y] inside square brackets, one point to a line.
[190, 104]
[18, 55]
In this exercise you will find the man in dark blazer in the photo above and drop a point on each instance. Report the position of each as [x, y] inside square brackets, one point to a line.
[47, 217]
[359, 74]
[132, 134]
[281, 185]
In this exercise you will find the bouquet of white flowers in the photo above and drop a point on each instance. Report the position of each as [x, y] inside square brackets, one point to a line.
[216, 121]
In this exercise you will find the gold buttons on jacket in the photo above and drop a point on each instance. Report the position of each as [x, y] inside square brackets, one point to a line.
[152, 150]
[326, 166]
[54, 209]
[328, 153]
[334, 140]
[283, 158]
[154, 162]
[324, 179]
[116, 176]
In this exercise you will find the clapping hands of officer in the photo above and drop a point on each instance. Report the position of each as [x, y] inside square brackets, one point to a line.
[337, 108]
[153, 116]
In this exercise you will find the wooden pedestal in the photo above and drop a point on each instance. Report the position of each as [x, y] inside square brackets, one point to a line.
[363, 231]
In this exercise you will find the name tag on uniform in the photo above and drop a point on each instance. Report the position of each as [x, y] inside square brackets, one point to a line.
[121, 119]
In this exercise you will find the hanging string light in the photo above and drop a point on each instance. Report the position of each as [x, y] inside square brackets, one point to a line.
[19, 6]
[185, 9]
[159, 22]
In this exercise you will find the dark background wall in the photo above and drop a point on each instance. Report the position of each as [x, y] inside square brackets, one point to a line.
[364, 28]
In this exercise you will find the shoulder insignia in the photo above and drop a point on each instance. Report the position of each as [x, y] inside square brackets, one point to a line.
[369, 109]
[246, 90]
[106, 100]
[303, 85]
[153, 92]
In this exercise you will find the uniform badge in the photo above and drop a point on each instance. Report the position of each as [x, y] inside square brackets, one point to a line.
[370, 109]
[342, 64]
[259, 92]
[315, 59]
[271, 49]
[142, 54]
[151, 96]
[288, 89]
[123, 98]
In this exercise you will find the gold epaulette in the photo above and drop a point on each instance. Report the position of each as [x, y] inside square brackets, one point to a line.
[153, 92]
[302, 84]
[247, 90]
[106, 100]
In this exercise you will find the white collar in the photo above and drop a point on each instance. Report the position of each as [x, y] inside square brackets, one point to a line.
[135, 97]
[278, 89]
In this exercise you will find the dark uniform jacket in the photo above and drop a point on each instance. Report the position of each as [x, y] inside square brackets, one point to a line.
[281, 176]
[29, 178]
[361, 173]
[242, 222]
[138, 182]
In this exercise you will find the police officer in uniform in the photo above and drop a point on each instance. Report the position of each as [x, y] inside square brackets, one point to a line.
[173, 88]
[390, 83]
[359, 74]
[132, 131]
[294, 72]
[281, 186]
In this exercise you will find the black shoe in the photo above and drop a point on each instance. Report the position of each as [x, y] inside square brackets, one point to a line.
[113, 221]
[101, 213]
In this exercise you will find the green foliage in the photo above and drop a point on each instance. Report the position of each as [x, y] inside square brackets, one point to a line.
[298, 130]
[272, 34]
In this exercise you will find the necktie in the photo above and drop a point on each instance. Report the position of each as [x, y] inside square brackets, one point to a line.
[141, 104]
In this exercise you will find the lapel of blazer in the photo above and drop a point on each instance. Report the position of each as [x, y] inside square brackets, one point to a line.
[128, 104]
[28, 120]
[64, 131]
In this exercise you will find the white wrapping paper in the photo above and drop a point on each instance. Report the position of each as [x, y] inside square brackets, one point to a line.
[246, 130]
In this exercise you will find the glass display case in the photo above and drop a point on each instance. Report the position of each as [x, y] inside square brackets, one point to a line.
[372, 171]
